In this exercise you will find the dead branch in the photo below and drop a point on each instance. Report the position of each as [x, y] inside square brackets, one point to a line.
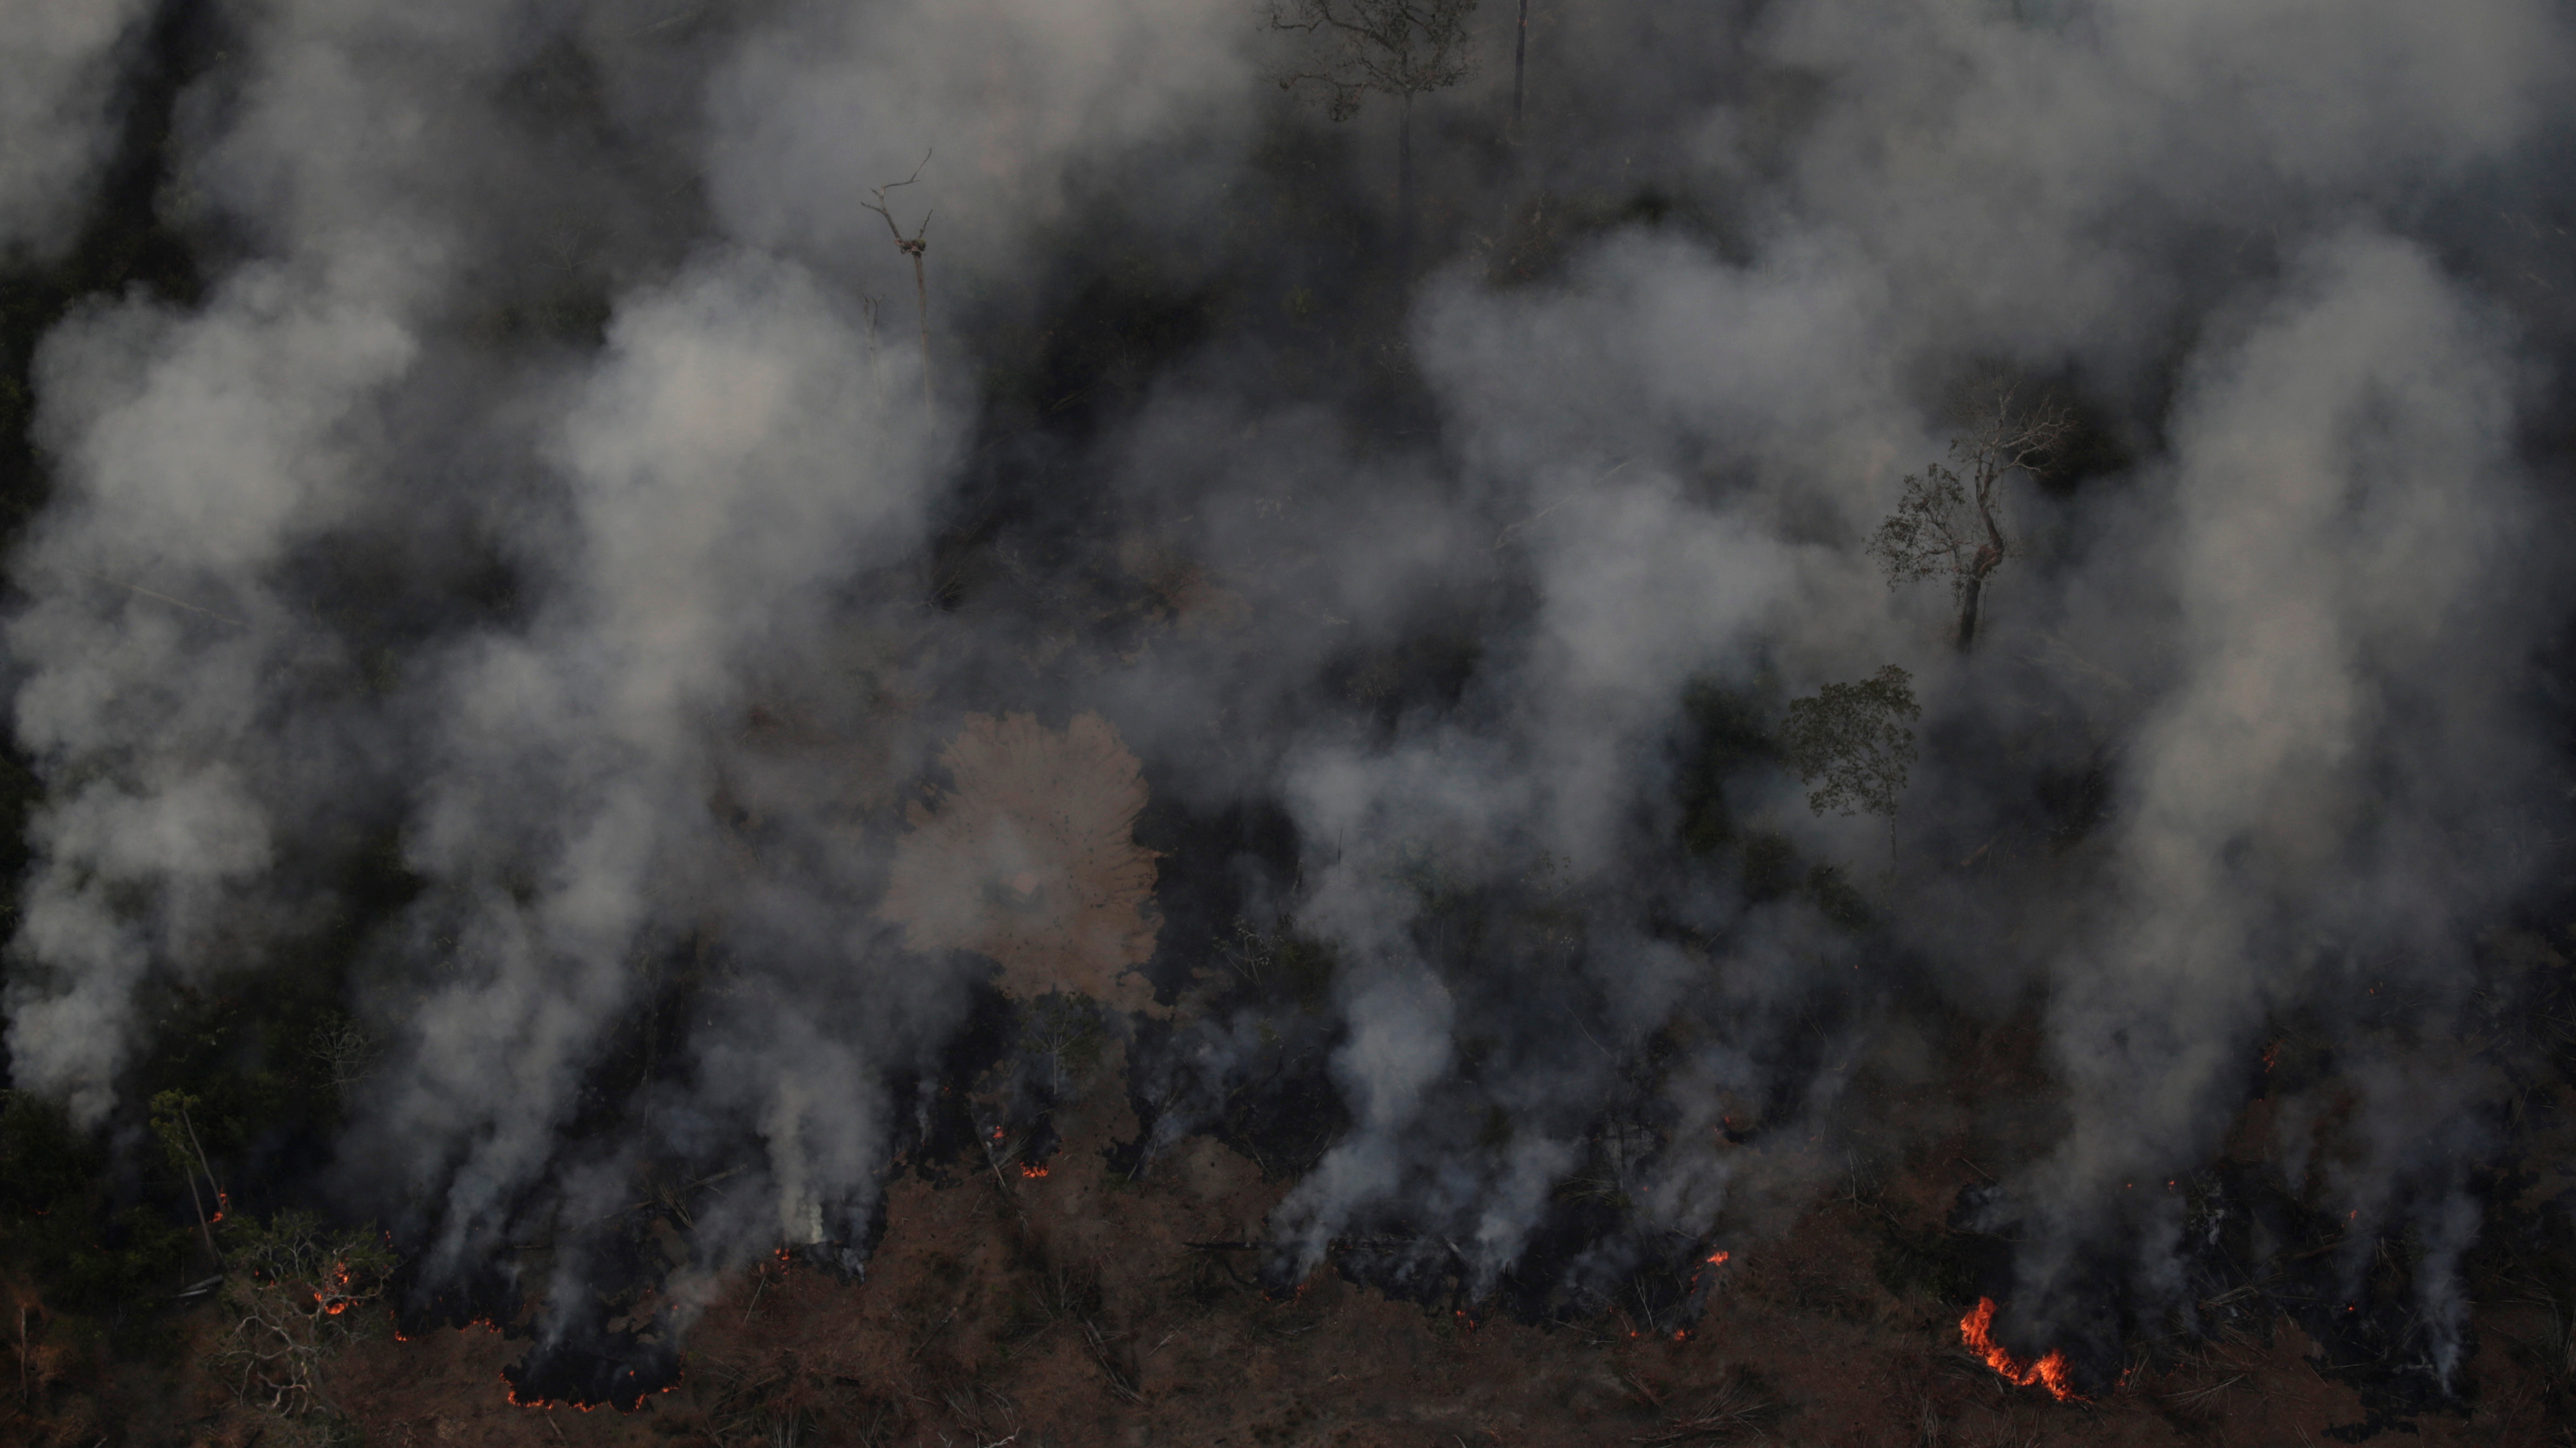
[914, 246]
[1734, 1409]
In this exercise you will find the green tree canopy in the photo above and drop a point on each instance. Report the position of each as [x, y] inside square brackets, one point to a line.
[1853, 743]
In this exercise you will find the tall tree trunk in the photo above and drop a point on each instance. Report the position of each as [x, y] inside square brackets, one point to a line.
[1520, 67]
[1972, 597]
[1404, 190]
[921, 297]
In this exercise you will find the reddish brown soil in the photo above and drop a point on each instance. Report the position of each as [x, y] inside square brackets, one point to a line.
[1069, 1310]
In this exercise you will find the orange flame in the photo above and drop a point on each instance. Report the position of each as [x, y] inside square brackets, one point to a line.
[338, 1300]
[2050, 1372]
[1032, 1170]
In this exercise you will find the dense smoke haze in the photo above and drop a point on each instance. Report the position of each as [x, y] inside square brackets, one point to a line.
[516, 590]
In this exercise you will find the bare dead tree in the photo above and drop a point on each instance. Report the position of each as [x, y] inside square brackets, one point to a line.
[1399, 48]
[297, 1294]
[1950, 522]
[347, 1053]
[914, 246]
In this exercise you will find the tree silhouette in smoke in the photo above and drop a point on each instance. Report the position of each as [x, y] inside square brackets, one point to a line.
[1400, 48]
[1951, 522]
[917, 247]
[473, 626]
[1858, 739]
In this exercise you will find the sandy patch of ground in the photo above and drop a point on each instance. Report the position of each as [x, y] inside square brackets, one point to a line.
[1029, 858]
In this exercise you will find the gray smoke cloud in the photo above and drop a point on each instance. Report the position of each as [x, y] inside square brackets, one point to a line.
[728, 462]
[160, 668]
[590, 299]
[61, 73]
[2344, 520]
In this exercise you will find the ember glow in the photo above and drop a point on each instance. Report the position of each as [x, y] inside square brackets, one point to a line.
[338, 1298]
[605, 761]
[2050, 1372]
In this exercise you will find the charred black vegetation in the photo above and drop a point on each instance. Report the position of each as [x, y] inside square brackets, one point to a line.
[496, 555]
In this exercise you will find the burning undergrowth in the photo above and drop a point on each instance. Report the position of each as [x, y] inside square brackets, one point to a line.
[1731, 1088]
[2264, 1232]
[615, 1368]
[1557, 721]
[1718, 1087]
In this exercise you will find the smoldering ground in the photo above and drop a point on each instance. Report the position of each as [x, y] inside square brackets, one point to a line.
[544, 509]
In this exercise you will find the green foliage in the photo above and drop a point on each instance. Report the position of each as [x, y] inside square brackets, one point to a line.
[43, 1162]
[1770, 867]
[1280, 962]
[137, 1261]
[1063, 1028]
[342, 1052]
[57, 1226]
[173, 1114]
[1397, 48]
[337, 1268]
[1857, 739]
[1933, 531]
[1952, 523]
[298, 1292]
[1836, 899]
[1435, 883]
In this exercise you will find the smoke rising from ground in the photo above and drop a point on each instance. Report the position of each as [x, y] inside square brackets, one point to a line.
[542, 486]
[58, 73]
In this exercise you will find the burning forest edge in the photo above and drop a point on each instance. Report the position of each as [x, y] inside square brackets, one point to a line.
[1298, 788]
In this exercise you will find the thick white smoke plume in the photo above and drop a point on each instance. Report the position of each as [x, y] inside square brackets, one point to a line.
[549, 498]
[59, 107]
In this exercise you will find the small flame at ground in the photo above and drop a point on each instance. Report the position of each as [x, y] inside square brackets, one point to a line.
[1032, 1170]
[2050, 1372]
[339, 1299]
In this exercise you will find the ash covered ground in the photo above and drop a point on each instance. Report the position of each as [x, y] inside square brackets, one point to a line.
[1068, 721]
